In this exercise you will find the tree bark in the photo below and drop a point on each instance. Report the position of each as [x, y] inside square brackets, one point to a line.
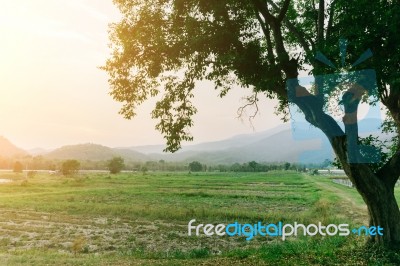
[384, 212]
[377, 192]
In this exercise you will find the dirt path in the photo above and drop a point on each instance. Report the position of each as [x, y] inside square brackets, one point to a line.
[350, 202]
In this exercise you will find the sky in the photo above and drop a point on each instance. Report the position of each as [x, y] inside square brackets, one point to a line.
[52, 92]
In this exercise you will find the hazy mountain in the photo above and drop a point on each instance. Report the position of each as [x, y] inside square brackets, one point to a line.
[235, 141]
[93, 152]
[146, 149]
[38, 151]
[278, 147]
[131, 155]
[299, 142]
[7, 149]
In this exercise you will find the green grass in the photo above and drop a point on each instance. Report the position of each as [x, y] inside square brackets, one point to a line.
[136, 219]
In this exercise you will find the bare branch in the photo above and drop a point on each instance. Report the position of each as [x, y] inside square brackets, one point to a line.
[252, 101]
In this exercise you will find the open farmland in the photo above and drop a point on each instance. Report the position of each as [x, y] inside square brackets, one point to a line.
[136, 219]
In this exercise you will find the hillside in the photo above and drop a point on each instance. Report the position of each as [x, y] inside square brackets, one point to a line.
[299, 142]
[277, 147]
[93, 152]
[7, 149]
[232, 142]
[292, 143]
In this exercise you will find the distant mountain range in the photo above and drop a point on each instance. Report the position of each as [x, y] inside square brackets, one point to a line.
[233, 142]
[275, 145]
[93, 152]
[272, 145]
[7, 149]
[299, 143]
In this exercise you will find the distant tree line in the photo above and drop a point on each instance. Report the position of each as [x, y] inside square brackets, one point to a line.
[254, 166]
[118, 164]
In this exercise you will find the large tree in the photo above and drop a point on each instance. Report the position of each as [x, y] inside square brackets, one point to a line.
[165, 46]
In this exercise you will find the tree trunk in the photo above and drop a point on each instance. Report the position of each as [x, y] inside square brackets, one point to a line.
[383, 212]
[376, 189]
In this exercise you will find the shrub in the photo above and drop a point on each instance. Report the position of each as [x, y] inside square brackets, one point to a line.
[195, 166]
[116, 164]
[18, 167]
[70, 167]
[144, 170]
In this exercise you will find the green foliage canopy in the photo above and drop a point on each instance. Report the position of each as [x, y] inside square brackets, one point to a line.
[165, 46]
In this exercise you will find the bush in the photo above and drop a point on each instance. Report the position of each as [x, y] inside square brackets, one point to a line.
[195, 166]
[18, 167]
[116, 164]
[144, 170]
[70, 167]
[314, 172]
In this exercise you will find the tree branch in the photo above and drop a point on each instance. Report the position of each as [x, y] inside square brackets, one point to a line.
[392, 102]
[265, 29]
[292, 28]
[330, 21]
[263, 9]
[321, 19]
[284, 10]
[299, 36]
[315, 13]
[360, 174]
[390, 172]
[251, 101]
[282, 54]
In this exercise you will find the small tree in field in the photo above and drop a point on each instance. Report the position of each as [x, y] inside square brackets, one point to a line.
[195, 166]
[18, 167]
[116, 164]
[144, 169]
[70, 167]
[253, 165]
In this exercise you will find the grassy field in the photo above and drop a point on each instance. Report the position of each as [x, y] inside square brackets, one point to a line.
[136, 219]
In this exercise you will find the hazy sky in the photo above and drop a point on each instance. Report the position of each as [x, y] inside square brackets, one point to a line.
[52, 92]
